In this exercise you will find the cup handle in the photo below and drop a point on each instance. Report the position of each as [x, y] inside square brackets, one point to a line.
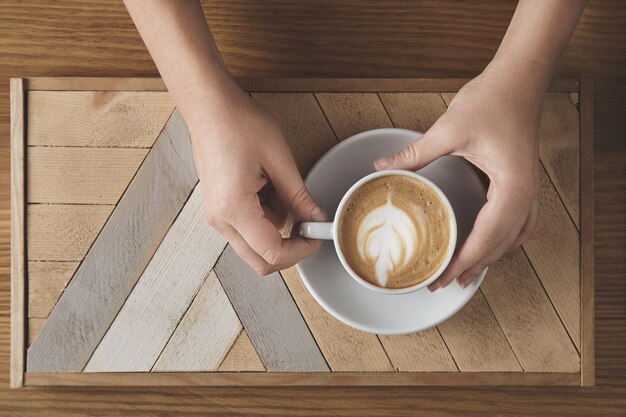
[317, 230]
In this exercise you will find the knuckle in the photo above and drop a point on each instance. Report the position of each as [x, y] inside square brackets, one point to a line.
[409, 153]
[271, 256]
[300, 197]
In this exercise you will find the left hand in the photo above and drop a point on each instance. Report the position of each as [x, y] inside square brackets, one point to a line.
[493, 123]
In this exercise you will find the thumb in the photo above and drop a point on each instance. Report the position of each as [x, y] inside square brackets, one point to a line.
[291, 189]
[418, 154]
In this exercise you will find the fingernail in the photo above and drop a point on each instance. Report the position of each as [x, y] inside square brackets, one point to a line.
[383, 162]
[318, 215]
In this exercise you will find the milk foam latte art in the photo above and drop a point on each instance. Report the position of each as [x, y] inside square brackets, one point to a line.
[394, 231]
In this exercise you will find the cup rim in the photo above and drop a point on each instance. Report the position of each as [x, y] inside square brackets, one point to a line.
[451, 245]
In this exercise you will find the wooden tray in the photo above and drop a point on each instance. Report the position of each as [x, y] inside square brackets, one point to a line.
[117, 279]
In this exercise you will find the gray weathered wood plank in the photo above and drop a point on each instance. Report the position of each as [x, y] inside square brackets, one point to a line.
[119, 255]
[162, 295]
[270, 317]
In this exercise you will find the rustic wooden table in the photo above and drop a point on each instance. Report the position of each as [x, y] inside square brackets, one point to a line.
[348, 39]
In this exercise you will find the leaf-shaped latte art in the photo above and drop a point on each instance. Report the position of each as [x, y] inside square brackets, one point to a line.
[387, 238]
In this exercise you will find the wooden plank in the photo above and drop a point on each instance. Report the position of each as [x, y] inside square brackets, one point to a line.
[559, 149]
[345, 349]
[18, 288]
[270, 317]
[205, 334]
[157, 303]
[160, 298]
[554, 252]
[242, 356]
[352, 113]
[527, 317]
[97, 118]
[119, 255]
[80, 175]
[587, 228]
[415, 111]
[34, 326]
[476, 340]
[310, 85]
[170, 379]
[419, 352]
[425, 351]
[63, 232]
[46, 282]
[303, 123]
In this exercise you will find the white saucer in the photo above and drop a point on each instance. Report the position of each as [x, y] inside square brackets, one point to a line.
[325, 278]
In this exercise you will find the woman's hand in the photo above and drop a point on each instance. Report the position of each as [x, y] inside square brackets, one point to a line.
[250, 181]
[493, 123]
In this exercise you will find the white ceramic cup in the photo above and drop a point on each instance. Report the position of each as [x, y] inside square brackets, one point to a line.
[329, 231]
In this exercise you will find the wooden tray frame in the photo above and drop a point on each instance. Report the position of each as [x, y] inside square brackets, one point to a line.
[19, 378]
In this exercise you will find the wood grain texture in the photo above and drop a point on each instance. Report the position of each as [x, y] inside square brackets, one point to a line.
[352, 113]
[119, 255]
[587, 228]
[303, 123]
[476, 340]
[46, 282]
[554, 252]
[205, 334]
[34, 325]
[415, 111]
[63, 232]
[242, 357]
[299, 379]
[161, 296]
[304, 39]
[527, 317]
[18, 260]
[80, 175]
[270, 317]
[97, 118]
[559, 149]
[419, 352]
[345, 349]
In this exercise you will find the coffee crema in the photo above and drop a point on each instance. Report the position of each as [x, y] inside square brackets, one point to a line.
[394, 231]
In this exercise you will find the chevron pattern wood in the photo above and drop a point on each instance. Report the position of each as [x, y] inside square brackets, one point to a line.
[125, 275]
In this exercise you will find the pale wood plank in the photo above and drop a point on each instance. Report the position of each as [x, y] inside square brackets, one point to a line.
[270, 317]
[162, 295]
[80, 175]
[97, 118]
[242, 356]
[527, 317]
[291, 379]
[352, 113]
[46, 282]
[554, 252]
[419, 352]
[119, 255]
[476, 340]
[415, 111]
[34, 326]
[447, 98]
[62, 232]
[559, 149]
[205, 334]
[18, 288]
[95, 83]
[345, 349]
[587, 227]
[303, 123]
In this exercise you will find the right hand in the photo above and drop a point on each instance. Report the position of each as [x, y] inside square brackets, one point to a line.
[250, 181]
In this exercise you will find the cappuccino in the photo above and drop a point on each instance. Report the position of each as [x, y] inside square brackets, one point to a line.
[394, 231]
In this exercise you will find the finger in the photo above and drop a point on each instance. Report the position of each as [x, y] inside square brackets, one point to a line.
[491, 228]
[291, 189]
[258, 232]
[529, 227]
[277, 219]
[418, 154]
[274, 209]
[245, 252]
